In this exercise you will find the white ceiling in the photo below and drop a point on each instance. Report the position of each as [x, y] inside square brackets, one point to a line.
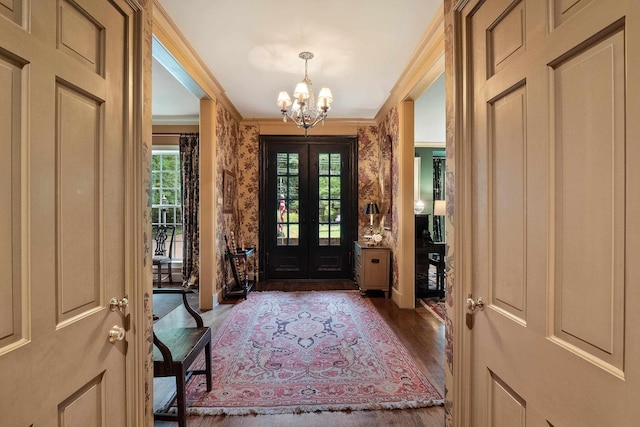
[251, 46]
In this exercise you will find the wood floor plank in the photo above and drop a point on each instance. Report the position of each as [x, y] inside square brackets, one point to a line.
[418, 330]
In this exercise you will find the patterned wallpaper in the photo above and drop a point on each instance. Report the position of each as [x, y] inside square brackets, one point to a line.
[248, 188]
[449, 225]
[368, 183]
[389, 130]
[227, 134]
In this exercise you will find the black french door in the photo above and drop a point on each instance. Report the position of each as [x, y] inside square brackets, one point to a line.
[308, 207]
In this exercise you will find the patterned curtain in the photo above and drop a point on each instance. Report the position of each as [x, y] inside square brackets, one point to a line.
[190, 168]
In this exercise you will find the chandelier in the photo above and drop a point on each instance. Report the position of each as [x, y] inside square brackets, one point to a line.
[305, 113]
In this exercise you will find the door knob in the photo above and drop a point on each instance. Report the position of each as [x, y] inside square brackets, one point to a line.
[116, 334]
[473, 306]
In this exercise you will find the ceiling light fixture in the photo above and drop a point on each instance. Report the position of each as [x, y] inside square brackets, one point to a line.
[305, 113]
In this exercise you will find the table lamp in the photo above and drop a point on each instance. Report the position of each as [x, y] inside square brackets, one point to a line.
[371, 209]
[439, 209]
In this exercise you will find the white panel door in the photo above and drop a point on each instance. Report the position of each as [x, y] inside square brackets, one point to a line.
[64, 86]
[552, 134]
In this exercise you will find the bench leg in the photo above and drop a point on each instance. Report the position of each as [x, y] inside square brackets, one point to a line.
[181, 398]
[158, 268]
[207, 355]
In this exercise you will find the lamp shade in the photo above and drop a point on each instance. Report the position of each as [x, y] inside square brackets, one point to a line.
[302, 92]
[283, 100]
[371, 209]
[324, 97]
[440, 207]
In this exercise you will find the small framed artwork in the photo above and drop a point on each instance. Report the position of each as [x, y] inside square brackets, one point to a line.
[228, 191]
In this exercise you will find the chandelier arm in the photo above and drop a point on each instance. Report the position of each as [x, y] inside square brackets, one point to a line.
[302, 122]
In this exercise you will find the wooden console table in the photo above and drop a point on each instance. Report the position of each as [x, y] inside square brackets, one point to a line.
[371, 267]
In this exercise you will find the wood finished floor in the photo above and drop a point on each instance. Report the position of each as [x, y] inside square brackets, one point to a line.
[420, 332]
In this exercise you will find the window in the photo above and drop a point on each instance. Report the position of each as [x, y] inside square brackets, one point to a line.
[329, 187]
[166, 195]
[288, 199]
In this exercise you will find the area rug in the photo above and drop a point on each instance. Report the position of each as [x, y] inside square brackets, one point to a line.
[293, 352]
[435, 307]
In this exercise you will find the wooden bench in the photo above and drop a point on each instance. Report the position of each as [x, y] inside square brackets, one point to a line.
[174, 352]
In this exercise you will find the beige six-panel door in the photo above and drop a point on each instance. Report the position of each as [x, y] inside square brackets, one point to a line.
[63, 138]
[552, 134]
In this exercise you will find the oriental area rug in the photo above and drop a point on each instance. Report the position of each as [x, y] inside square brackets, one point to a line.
[293, 352]
[436, 308]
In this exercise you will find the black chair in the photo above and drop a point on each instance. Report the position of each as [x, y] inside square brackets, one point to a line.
[437, 260]
[238, 262]
[174, 352]
[162, 256]
[432, 253]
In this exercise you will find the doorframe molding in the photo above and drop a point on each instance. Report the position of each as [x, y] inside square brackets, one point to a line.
[138, 276]
[352, 140]
[459, 122]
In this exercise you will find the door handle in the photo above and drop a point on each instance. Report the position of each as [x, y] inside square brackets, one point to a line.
[473, 306]
[116, 304]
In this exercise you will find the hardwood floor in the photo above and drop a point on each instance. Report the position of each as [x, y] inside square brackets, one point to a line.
[420, 332]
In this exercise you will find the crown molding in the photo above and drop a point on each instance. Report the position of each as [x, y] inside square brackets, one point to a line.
[169, 35]
[270, 126]
[175, 120]
[424, 67]
[430, 144]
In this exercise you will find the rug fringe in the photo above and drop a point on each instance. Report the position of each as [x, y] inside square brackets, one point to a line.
[314, 408]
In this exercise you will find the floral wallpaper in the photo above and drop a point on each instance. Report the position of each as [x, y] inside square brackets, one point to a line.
[146, 322]
[389, 130]
[368, 183]
[449, 218]
[227, 135]
[248, 186]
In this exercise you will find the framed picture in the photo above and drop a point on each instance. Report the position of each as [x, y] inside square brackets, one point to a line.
[228, 191]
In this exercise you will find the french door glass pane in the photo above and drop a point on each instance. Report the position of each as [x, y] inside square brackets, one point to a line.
[287, 195]
[329, 209]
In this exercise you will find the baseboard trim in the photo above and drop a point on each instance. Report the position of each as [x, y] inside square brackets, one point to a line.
[216, 298]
